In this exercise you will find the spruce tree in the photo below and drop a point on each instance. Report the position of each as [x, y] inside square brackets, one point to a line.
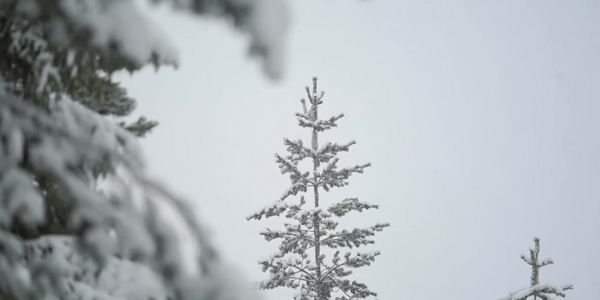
[36, 69]
[62, 128]
[313, 233]
[536, 289]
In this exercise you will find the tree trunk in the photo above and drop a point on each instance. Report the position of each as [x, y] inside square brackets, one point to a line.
[317, 232]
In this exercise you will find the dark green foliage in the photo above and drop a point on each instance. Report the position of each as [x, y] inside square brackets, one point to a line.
[41, 67]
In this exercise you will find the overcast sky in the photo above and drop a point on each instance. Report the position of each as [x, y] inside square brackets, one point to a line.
[480, 119]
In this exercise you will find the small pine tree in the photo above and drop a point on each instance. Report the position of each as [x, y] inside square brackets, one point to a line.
[536, 289]
[300, 262]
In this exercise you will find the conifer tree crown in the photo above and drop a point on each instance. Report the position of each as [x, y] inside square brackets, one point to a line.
[536, 289]
[301, 261]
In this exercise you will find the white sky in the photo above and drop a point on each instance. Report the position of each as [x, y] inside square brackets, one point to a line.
[480, 119]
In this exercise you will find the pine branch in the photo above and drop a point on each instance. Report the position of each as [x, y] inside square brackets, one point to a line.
[350, 204]
[304, 106]
[331, 177]
[340, 288]
[307, 216]
[284, 271]
[330, 150]
[141, 127]
[337, 268]
[538, 290]
[297, 150]
[287, 166]
[300, 181]
[357, 289]
[527, 260]
[318, 125]
[354, 238]
[270, 235]
[545, 262]
[294, 190]
[291, 242]
[546, 297]
[305, 272]
[273, 210]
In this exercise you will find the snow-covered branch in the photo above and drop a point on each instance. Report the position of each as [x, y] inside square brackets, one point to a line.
[288, 166]
[350, 204]
[294, 240]
[297, 150]
[294, 190]
[353, 290]
[272, 210]
[121, 25]
[541, 290]
[330, 151]
[354, 238]
[332, 177]
[319, 125]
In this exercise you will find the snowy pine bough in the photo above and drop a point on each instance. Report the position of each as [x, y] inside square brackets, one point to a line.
[79, 216]
[537, 289]
[301, 262]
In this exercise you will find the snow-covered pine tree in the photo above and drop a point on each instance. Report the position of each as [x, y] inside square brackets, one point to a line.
[60, 130]
[35, 68]
[301, 261]
[536, 289]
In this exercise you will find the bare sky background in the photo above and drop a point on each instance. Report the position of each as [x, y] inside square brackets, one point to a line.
[480, 119]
